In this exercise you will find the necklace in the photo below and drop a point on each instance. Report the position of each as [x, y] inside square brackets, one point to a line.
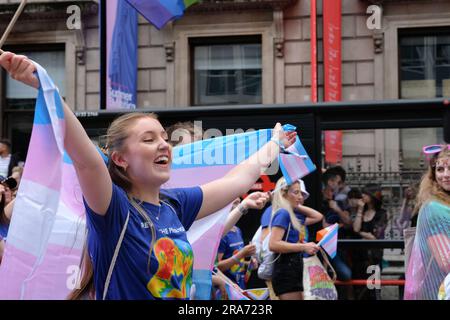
[159, 211]
[140, 202]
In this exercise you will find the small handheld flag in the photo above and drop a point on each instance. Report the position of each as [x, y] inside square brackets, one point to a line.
[295, 163]
[328, 239]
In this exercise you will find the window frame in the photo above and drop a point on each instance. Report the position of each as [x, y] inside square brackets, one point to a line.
[179, 91]
[209, 41]
[416, 32]
[389, 81]
[40, 47]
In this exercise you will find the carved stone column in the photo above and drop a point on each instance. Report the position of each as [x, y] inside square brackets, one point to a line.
[279, 33]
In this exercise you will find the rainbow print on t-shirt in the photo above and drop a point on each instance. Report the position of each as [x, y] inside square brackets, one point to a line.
[174, 275]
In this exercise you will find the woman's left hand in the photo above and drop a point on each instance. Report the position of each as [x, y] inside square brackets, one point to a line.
[285, 138]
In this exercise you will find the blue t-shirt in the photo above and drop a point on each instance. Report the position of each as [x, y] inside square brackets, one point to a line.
[282, 220]
[3, 231]
[265, 218]
[230, 245]
[169, 274]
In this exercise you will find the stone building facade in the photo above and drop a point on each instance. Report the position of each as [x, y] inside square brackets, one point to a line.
[370, 58]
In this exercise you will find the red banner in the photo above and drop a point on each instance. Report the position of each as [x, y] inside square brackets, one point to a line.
[332, 72]
[333, 147]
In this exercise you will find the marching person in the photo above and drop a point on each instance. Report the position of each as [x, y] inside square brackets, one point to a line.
[125, 203]
[289, 238]
[429, 262]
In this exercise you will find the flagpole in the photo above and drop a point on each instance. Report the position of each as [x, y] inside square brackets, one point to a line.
[12, 23]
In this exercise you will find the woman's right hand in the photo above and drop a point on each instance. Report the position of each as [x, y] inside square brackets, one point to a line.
[310, 248]
[20, 68]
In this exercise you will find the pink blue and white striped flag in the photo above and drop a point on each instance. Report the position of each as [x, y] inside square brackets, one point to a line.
[199, 163]
[295, 162]
[329, 239]
[160, 12]
[234, 292]
[46, 233]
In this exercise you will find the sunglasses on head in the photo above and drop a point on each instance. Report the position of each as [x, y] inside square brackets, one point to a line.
[435, 148]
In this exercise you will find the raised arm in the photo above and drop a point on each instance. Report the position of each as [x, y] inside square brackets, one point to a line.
[312, 216]
[359, 217]
[256, 200]
[92, 173]
[217, 194]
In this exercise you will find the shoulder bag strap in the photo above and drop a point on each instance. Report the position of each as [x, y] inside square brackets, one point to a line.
[116, 253]
[287, 235]
[327, 264]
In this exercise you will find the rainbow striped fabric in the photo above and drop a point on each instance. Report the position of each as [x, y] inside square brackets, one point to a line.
[160, 12]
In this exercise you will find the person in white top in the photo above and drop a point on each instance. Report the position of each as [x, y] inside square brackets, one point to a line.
[5, 157]
[7, 160]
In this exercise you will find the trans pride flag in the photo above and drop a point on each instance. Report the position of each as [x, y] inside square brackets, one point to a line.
[199, 163]
[328, 239]
[294, 161]
[46, 233]
[160, 12]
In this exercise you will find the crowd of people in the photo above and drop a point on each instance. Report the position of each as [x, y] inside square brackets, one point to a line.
[126, 195]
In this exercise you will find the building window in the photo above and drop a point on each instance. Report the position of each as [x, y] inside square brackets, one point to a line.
[18, 99]
[424, 63]
[20, 96]
[226, 70]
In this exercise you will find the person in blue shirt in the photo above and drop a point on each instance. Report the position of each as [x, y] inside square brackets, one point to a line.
[125, 203]
[232, 253]
[265, 221]
[289, 238]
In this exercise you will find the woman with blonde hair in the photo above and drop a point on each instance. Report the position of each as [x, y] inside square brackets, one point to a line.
[289, 238]
[125, 204]
[429, 262]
